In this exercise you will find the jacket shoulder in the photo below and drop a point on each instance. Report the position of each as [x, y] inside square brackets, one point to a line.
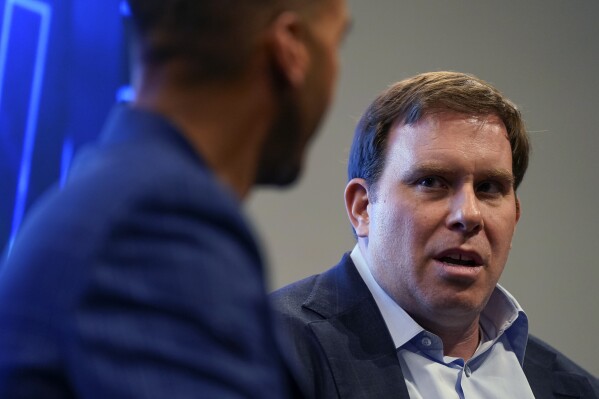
[287, 302]
[546, 367]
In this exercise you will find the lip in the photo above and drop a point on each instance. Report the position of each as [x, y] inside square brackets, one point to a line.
[456, 272]
[460, 253]
[465, 273]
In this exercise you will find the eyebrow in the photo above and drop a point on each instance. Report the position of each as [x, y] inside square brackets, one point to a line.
[503, 175]
[427, 169]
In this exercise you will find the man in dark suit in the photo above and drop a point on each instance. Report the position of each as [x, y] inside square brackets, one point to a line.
[141, 277]
[415, 311]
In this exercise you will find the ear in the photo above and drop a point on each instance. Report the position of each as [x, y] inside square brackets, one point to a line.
[517, 209]
[356, 205]
[288, 48]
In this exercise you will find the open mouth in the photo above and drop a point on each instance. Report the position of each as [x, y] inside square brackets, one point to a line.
[458, 260]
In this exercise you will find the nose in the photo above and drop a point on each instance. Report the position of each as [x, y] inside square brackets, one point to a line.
[465, 215]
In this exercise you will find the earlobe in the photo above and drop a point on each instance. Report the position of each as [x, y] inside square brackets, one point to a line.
[356, 205]
[289, 52]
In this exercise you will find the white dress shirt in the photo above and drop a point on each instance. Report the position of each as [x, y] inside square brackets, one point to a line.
[495, 369]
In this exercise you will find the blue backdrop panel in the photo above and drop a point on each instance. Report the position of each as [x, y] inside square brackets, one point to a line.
[61, 65]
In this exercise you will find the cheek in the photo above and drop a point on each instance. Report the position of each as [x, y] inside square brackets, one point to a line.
[389, 219]
[500, 232]
[398, 233]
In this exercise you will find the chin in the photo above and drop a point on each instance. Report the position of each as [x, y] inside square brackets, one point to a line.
[463, 308]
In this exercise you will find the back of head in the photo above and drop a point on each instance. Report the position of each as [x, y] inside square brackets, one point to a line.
[410, 100]
[213, 37]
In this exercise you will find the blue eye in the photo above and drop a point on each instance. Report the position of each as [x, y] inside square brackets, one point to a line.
[431, 182]
[490, 187]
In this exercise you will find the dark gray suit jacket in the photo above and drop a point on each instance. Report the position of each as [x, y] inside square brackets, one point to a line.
[339, 340]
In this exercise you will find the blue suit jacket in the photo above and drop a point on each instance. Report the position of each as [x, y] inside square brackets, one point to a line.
[139, 279]
[344, 349]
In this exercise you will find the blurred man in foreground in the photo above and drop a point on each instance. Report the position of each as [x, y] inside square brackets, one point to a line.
[415, 311]
[141, 277]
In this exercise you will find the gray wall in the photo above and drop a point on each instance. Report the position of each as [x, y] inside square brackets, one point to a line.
[544, 55]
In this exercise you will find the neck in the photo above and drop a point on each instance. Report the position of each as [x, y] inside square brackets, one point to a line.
[226, 123]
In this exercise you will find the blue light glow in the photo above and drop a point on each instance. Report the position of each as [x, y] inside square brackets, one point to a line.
[68, 149]
[124, 8]
[45, 12]
[125, 94]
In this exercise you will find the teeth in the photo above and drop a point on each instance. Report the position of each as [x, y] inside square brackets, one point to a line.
[459, 259]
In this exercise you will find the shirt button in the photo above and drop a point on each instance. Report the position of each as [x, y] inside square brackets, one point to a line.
[426, 341]
[467, 371]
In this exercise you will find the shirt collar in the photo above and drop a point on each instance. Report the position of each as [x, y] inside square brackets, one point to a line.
[400, 324]
[502, 314]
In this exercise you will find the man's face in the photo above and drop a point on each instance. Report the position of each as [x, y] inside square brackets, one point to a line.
[324, 27]
[443, 215]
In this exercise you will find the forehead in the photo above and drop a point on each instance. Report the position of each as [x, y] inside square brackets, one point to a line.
[451, 138]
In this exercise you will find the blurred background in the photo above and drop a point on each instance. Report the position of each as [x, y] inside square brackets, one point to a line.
[63, 63]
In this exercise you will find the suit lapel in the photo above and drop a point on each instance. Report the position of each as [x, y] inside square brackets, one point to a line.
[354, 336]
[362, 356]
